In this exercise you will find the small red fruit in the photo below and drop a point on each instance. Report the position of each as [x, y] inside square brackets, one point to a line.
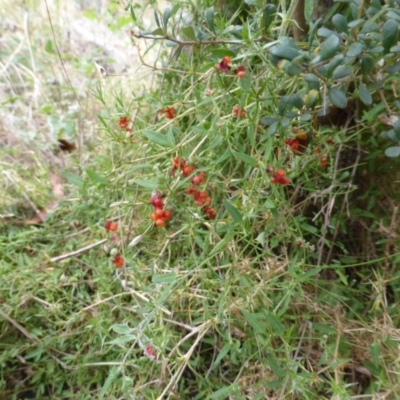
[160, 222]
[153, 216]
[167, 214]
[159, 212]
[158, 203]
[111, 226]
[118, 261]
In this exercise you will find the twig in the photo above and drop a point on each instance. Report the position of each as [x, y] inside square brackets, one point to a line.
[138, 35]
[77, 252]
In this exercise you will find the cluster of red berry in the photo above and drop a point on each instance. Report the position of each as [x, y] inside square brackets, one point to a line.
[201, 198]
[238, 112]
[279, 177]
[149, 351]
[168, 112]
[118, 261]
[123, 123]
[159, 216]
[225, 66]
[111, 226]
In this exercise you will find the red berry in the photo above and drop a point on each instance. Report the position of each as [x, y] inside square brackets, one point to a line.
[159, 212]
[158, 203]
[160, 222]
[153, 216]
[167, 214]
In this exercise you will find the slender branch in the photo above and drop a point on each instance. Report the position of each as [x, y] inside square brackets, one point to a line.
[77, 252]
[139, 35]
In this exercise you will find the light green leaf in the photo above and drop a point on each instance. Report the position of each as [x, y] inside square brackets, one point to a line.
[223, 243]
[224, 392]
[158, 138]
[121, 328]
[224, 351]
[245, 158]
[245, 83]
[253, 320]
[164, 278]
[146, 183]
[123, 339]
[166, 15]
[210, 19]
[276, 325]
[393, 151]
[114, 372]
[189, 32]
[94, 177]
[233, 211]
[74, 179]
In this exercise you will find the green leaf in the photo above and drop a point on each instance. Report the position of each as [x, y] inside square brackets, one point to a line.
[309, 228]
[268, 16]
[308, 11]
[341, 72]
[223, 243]
[393, 151]
[273, 128]
[95, 178]
[397, 129]
[334, 63]
[123, 20]
[159, 138]
[133, 15]
[170, 136]
[166, 16]
[253, 320]
[389, 34]
[224, 392]
[364, 95]
[276, 325]
[233, 211]
[210, 18]
[156, 18]
[224, 351]
[367, 64]
[222, 52]
[284, 51]
[114, 372]
[354, 50]
[74, 179]
[245, 83]
[121, 328]
[245, 158]
[329, 47]
[49, 46]
[189, 32]
[123, 339]
[146, 183]
[157, 32]
[339, 22]
[337, 98]
[275, 367]
[165, 278]
[312, 80]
